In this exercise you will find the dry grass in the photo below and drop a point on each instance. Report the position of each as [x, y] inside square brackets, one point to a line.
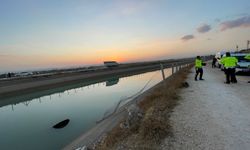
[155, 125]
[114, 137]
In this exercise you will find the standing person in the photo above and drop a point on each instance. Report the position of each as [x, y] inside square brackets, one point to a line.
[198, 68]
[229, 64]
[9, 75]
[213, 63]
[247, 57]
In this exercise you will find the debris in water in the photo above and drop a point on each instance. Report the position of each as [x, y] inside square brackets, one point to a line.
[61, 124]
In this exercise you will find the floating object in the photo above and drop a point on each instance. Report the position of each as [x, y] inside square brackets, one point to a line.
[61, 124]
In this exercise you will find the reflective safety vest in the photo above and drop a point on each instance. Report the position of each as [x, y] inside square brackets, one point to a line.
[247, 56]
[198, 63]
[229, 62]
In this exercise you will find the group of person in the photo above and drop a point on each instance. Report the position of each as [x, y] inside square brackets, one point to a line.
[229, 62]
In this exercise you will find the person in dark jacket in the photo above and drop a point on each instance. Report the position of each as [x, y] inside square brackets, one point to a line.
[213, 62]
[248, 57]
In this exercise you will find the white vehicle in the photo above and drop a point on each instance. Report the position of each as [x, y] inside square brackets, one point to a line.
[218, 56]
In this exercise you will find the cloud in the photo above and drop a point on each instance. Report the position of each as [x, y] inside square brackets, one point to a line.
[187, 37]
[239, 22]
[204, 28]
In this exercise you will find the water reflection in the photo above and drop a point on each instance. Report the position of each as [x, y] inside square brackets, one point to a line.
[73, 88]
[112, 81]
[26, 100]
[123, 100]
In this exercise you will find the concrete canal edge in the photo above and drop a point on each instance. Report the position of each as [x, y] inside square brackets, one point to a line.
[102, 129]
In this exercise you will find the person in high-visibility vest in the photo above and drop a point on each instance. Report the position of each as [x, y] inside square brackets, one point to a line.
[198, 68]
[247, 57]
[230, 64]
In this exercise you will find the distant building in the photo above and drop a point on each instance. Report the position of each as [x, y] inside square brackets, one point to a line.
[111, 64]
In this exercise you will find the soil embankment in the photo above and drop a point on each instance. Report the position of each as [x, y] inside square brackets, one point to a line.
[123, 131]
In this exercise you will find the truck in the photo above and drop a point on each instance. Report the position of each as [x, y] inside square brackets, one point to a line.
[111, 64]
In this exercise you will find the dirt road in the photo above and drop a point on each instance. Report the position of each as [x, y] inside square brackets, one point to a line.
[211, 114]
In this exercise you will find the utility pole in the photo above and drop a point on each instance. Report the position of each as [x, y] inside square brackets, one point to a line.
[162, 71]
[248, 42]
[237, 48]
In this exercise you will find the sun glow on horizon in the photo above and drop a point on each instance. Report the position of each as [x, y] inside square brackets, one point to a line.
[78, 33]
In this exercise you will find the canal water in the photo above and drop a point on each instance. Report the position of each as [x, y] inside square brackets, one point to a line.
[27, 122]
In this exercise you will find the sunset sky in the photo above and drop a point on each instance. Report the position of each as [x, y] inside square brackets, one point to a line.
[58, 33]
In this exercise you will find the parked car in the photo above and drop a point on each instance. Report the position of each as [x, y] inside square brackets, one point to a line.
[243, 64]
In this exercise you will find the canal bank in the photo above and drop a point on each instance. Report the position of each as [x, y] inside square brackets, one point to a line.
[36, 93]
[35, 117]
[15, 87]
[108, 133]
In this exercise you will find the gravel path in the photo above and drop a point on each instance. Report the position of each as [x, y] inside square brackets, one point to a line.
[212, 115]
